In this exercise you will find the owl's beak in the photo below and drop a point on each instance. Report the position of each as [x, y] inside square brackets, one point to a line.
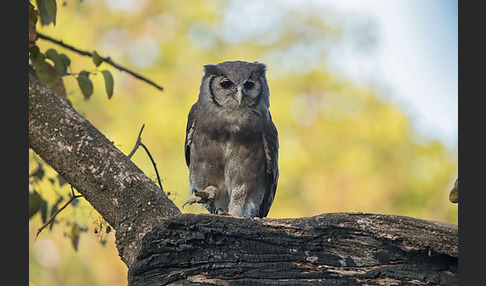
[239, 94]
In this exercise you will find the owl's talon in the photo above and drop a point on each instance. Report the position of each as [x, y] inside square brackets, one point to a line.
[203, 197]
[190, 201]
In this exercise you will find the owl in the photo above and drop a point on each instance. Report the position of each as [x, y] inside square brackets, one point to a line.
[231, 144]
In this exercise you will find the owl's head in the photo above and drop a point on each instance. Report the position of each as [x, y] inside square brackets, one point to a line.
[236, 84]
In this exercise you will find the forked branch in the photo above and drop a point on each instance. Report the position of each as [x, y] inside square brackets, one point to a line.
[139, 143]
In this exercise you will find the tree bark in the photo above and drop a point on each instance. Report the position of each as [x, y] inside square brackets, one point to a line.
[162, 246]
[329, 249]
[126, 198]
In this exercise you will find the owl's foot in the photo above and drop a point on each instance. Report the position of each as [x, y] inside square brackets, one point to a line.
[203, 197]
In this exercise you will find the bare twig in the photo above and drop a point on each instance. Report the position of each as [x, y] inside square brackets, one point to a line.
[105, 59]
[153, 162]
[139, 143]
[53, 216]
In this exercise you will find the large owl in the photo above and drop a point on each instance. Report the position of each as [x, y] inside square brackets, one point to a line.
[231, 145]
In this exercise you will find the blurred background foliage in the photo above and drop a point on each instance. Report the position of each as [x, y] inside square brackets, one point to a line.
[343, 147]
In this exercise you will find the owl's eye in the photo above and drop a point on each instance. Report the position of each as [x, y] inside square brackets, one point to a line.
[225, 83]
[249, 85]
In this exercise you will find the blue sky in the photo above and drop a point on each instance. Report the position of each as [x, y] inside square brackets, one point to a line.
[416, 59]
[413, 58]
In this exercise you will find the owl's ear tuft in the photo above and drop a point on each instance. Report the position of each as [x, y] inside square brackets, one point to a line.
[211, 69]
[260, 68]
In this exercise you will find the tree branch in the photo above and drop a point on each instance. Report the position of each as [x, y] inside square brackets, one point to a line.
[126, 198]
[328, 249]
[53, 216]
[139, 143]
[105, 59]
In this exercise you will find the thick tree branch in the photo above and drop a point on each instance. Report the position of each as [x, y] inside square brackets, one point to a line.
[105, 59]
[329, 249]
[126, 198]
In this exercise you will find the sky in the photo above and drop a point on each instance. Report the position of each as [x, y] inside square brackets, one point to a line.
[407, 49]
[416, 58]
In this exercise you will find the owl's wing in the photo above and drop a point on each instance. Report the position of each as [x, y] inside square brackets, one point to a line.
[191, 123]
[270, 144]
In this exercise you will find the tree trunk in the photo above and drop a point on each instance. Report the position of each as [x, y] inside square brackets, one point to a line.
[161, 246]
[329, 249]
[126, 198]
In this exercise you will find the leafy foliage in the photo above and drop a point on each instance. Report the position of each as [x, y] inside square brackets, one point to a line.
[61, 61]
[51, 73]
[48, 73]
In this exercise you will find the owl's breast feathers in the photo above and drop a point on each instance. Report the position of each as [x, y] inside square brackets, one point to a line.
[241, 129]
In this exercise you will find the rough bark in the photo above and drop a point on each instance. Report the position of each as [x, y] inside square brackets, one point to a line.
[127, 199]
[329, 249]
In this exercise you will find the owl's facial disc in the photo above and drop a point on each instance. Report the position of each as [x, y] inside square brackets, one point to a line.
[239, 89]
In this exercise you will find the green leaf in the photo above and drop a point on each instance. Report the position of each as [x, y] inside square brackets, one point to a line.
[454, 194]
[34, 203]
[39, 172]
[44, 210]
[109, 83]
[47, 11]
[34, 52]
[59, 63]
[97, 60]
[65, 59]
[51, 54]
[50, 76]
[75, 236]
[85, 84]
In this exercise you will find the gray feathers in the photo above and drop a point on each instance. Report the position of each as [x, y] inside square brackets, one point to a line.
[231, 144]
